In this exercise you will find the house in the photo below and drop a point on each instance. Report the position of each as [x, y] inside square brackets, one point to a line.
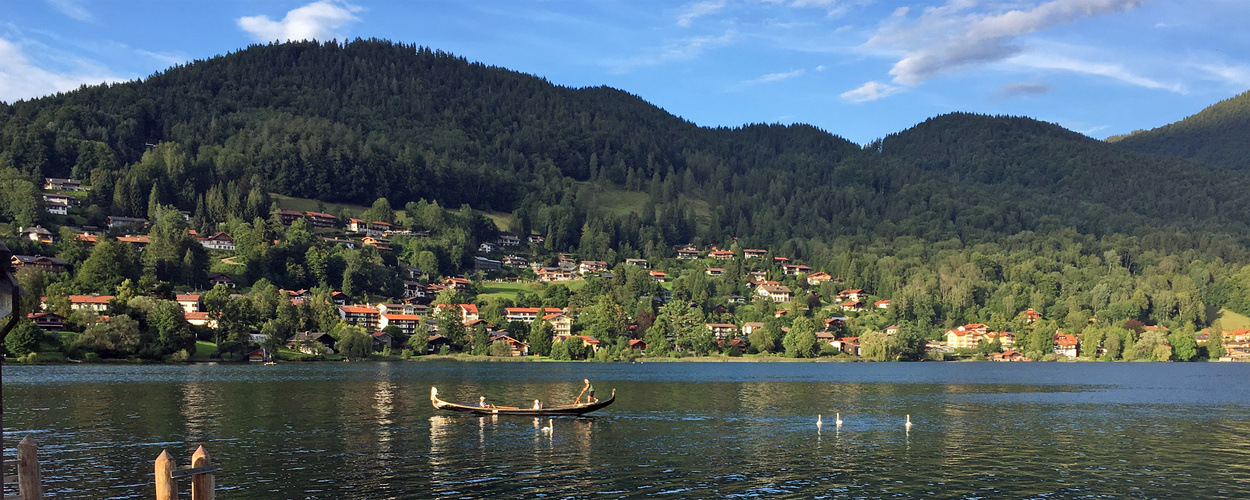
[461, 284]
[776, 293]
[687, 253]
[839, 322]
[849, 345]
[795, 269]
[384, 308]
[816, 279]
[715, 271]
[751, 253]
[190, 302]
[261, 355]
[553, 274]
[379, 243]
[343, 242]
[736, 299]
[357, 225]
[587, 341]
[853, 294]
[721, 254]
[535, 239]
[967, 336]
[592, 266]
[436, 343]
[220, 279]
[382, 340]
[723, 331]
[338, 298]
[362, 316]
[515, 261]
[414, 289]
[561, 324]
[529, 314]
[200, 319]
[139, 241]
[508, 240]
[751, 326]
[780, 260]
[39, 262]
[468, 312]
[218, 241]
[851, 305]
[97, 303]
[1239, 335]
[385, 227]
[322, 220]
[660, 276]
[1005, 339]
[37, 233]
[486, 247]
[306, 342]
[1008, 356]
[638, 262]
[407, 323]
[115, 221]
[1065, 345]
[55, 184]
[637, 344]
[1030, 315]
[56, 207]
[47, 321]
[290, 216]
[484, 264]
[515, 347]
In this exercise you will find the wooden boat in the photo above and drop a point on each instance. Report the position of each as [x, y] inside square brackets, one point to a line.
[573, 409]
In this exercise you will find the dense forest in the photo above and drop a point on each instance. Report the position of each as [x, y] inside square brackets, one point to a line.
[1218, 135]
[961, 218]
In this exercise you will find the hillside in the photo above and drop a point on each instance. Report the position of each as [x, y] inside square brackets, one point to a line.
[1218, 135]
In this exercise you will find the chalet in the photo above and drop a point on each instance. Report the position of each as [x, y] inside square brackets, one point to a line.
[379, 243]
[342, 242]
[638, 262]
[1005, 339]
[762, 282]
[553, 274]
[385, 308]
[220, 279]
[339, 298]
[721, 254]
[88, 237]
[515, 347]
[535, 239]
[757, 275]
[55, 184]
[414, 289]
[509, 240]
[139, 241]
[795, 269]
[561, 324]
[357, 225]
[261, 355]
[200, 319]
[486, 247]
[484, 264]
[893, 329]
[436, 343]
[637, 344]
[60, 199]
[751, 326]
[826, 337]
[687, 254]
[715, 271]
[97, 303]
[190, 302]
[836, 323]
[38, 262]
[723, 331]
[385, 227]
[588, 342]
[849, 345]
[776, 293]
[967, 336]
[853, 294]
[115, 221]
[461, 284]
[660, 276]
[47, 321]
[362, 316]
[290, 216]
[411, 272]
[592, 266]
[1008, 356]
[736, 299]
[218, 241]
[382, 340]
[468, 312]
[1065, 345]
[37, 233]
[306, 342]
[882, 304]
[751, 253]
[529, 314]
[815, 279]
[515, 261]
[1030, 315]
[1239, 335]
[780, 260]
[322, 220]
[56, 207]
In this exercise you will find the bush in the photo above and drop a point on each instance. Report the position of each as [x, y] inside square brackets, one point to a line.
[445, 350]
[405, 354]
[178, 357]
[733, 352]
[23, 339]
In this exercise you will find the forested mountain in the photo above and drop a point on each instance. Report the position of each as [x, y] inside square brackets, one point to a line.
[1218, 135]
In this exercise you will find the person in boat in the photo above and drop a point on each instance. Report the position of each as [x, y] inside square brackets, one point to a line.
[589, 391]
[538, 405]
[481, 402]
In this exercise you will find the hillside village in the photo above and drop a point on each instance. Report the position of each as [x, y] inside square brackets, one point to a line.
[694, 300]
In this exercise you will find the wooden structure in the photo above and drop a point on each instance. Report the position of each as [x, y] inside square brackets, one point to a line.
[573, 409]
[203, 483]
[28, 475]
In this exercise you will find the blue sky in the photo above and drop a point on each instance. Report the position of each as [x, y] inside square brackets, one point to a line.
[860, 69]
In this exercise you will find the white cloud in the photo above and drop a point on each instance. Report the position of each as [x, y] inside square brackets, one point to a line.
[680, 50]
[698, 10]
[832, 8]
[871, 91]
[1237, 75]
[1109, 70]
[72, 9]
[777, 77]
[951, 37]
[20, 79]
[316, 21]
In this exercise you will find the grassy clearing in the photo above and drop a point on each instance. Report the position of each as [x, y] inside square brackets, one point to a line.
[204, 349]
[510, 290]
[1228, 321]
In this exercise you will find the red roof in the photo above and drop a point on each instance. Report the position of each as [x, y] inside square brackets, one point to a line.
[188, 297]
[90, 299]
[531, 310]
[470, 308]
[358, 310]
[1065, 340]
[195, 315]
[401, 317]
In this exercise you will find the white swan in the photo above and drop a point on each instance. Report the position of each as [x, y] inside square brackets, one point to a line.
[908, 425]
[838, 421]
[818, 422]
[548, 428]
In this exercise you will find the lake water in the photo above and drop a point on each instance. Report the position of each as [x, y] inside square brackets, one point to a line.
[677, 430]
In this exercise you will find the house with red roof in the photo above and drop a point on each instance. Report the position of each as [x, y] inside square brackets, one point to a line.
[1065, 345]
[529, 314]
[362, 316]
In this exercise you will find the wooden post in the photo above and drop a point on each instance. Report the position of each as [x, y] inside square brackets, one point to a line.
[202, 485]
[28, 470]
[166, 485]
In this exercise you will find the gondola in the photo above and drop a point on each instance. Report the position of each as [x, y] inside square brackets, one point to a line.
[573, 409]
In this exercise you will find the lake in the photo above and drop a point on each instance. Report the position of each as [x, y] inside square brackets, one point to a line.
[676, 430]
